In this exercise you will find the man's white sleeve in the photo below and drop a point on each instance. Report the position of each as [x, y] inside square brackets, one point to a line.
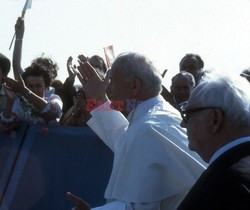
[108, 125]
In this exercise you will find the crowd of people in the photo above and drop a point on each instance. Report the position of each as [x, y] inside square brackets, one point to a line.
[155, 134]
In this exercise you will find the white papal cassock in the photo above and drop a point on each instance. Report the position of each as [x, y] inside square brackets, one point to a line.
[153, 167]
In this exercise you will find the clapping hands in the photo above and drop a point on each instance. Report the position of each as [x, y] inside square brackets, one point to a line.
[94, 86]
[71, 70]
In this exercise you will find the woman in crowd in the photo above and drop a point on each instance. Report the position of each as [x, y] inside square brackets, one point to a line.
[26, 100]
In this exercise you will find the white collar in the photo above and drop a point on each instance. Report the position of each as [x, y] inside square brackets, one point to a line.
[146, 105]
[228, 146]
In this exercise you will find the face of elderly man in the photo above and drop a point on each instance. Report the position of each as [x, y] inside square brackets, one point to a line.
[181, 88]
[199, 125]
[118, 87]
[119, 90]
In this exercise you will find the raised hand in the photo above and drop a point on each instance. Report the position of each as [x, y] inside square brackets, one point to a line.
[17, 53]
[70, 68]
[93, 85]
[82, 58]
[19, 28]
[80, 204]
[18, 86]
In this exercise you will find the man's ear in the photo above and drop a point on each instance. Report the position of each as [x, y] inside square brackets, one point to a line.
[217, 119]
[135, 86]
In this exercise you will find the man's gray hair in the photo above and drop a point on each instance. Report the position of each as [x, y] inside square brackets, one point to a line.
[135, 65]
[229, 93]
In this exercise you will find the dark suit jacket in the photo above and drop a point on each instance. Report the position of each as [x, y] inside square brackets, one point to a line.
[225, 185]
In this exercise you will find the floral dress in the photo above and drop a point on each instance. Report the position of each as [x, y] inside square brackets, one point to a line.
[24, 111]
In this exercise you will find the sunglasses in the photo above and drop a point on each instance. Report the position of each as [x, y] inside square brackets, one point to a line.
[185, 114]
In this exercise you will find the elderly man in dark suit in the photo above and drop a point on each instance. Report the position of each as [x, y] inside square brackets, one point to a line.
[217, 118]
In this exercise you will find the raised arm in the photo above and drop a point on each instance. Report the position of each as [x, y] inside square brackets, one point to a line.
[108, 125]
[69, 82]
[71, 70]
[93, 86]
[165, 92]
[49, 110]
[17, 54]
[19, 87]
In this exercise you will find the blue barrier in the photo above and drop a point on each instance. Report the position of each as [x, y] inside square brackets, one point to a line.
[67, 159]
[10, 145]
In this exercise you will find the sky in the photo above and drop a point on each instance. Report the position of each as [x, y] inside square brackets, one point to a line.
[164, 30]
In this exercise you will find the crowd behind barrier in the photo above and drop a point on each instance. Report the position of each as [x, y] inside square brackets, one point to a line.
[36, 170]
[39, 165]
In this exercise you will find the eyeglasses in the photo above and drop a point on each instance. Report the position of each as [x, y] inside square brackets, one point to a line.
[185, 114]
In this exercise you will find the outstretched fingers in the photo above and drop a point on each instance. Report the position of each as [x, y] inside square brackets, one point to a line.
[88, 71]
[82, 71]
[79, 76]
[82, 58]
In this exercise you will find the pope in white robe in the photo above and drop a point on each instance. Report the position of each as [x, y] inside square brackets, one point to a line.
[152, 163]
[153, 167]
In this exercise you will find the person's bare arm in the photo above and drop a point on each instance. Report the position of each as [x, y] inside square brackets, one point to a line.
[71, 70]
[19, 87]
[17, 54]
[49, 110]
